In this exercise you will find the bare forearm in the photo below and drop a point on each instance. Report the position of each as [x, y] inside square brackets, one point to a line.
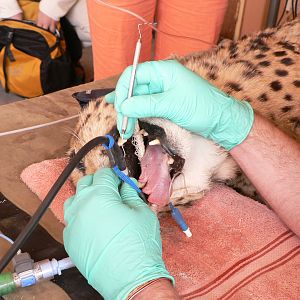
[161, 289]
[271, 160]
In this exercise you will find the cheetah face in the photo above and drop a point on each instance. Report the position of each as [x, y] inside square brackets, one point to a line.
[179, 165]
[168, 161]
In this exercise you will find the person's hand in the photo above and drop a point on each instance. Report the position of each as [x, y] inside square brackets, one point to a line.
[169, 90]
[46, 22]
[18, 16]
[112, 236]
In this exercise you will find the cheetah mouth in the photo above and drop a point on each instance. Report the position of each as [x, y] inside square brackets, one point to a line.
[159, 163]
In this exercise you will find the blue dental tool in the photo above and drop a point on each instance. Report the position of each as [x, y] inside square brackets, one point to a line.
[119, 167]
[118, 164]
[177, 216]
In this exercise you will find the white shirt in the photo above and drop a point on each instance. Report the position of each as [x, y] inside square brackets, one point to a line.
[74, 10]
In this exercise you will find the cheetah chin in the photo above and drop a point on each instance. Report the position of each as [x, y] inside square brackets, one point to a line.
[262, 69]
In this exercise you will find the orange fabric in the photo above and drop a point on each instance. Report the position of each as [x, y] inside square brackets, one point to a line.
[239, 248]
[199, 19]
[23, 73]
[114, 35]
[30, 9]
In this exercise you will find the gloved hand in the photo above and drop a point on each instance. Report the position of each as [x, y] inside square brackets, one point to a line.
[169, 90]
[112, 236]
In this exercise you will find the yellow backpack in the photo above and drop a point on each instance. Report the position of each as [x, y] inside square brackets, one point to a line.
[33, 61]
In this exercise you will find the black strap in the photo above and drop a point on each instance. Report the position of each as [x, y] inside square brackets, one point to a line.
[9, 54]
[85, 97]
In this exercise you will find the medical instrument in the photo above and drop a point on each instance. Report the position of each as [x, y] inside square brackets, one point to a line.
[118, 163]
[27, 272]
[124, 10]
[176, 214]
[132, 78]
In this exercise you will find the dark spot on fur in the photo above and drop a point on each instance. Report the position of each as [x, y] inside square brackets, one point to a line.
[212, 75]
[286, 108]
[266, 34]
[287, 46]
[287, 61]
[81, 167]
[250, 73]
[105, 104]
[233, 48]
[276, 85]
[97, 103]
[206, 65]
[296, 83]
[280, 53]
[72, 154]
[296, 122]
[260, 55]
[288, 97]
[87, 117]
[272, 117]
[264, 63]
[234, 86]
[214, 68]
[107, 118]
[259, 44]
[281, 73]
[243, 37]
[245, 63]
[263, 97]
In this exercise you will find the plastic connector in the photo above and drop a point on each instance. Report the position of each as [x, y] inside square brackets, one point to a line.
[180, 220]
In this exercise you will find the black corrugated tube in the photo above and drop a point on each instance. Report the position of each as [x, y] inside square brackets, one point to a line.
[34, 221]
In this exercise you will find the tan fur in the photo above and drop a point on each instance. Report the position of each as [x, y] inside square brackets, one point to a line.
[263, 69]
[97, 119]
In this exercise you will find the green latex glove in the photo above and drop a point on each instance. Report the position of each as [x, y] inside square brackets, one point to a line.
[112, 236]
[169, 90]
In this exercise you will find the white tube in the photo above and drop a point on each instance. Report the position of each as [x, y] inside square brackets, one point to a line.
[65, 263]
[6, 238]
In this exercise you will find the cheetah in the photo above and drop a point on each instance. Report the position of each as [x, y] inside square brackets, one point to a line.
[262, 68]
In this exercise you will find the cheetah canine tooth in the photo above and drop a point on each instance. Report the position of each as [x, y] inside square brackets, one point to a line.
[170, 160]
[154, 142]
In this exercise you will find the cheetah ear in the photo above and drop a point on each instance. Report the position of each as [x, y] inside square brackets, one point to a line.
[85, 97]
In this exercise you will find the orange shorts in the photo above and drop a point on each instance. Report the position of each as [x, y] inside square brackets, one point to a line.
[114, 33]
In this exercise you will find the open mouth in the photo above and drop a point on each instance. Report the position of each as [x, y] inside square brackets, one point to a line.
[158, 165]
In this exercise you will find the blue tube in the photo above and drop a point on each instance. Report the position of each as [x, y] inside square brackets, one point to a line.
[126, 179]
[180, 220]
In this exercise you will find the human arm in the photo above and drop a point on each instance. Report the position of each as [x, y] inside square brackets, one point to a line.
[112, 236]
[10, 9]
[167, 89]
[271, 160]
[161, 289]
[50, 12]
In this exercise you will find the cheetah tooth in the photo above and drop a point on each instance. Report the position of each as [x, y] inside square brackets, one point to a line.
[143, 132]
[154, 142]
[121, 142]
[170, 160]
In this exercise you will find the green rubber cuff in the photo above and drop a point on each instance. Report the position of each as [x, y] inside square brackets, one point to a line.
[7, 284]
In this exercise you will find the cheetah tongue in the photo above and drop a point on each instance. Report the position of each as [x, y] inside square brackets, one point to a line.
[155, 174]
